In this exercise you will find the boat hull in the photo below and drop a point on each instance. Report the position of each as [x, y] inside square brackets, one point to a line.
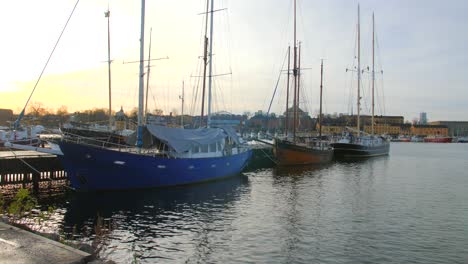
[92, 169]
[289, 154]
[438, 139]
[350, 150]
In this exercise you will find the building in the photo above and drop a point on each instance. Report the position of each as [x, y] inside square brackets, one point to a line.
[382, 129]
[423, 118]
[6, 116]
[331, 129]
[333, 125]
[405, 129]
[428, 130]
[351, 120]
[455, 128]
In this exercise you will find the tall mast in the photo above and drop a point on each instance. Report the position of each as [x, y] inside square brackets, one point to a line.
[286, 125]
[358, 76]
[147, 77]
[298, 84]
[107, 14]
[141, 80]
[211, 65]
[373, 72]
[321, 88]
[295, 76]
[182, 98]
[205, 59]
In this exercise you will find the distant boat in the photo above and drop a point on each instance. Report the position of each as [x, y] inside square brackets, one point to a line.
[417, 139]
[401, 138]
[362, 146]
[23, 136]
[290, 152]
[438, 139]
[98, 134]
[163, 156]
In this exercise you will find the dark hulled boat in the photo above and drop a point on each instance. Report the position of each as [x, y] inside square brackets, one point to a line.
[362, 147]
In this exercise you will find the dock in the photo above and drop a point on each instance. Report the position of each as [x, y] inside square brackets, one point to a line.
[21, 246]
[29, 169]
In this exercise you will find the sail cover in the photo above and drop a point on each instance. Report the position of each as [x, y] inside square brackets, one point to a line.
[182, 140]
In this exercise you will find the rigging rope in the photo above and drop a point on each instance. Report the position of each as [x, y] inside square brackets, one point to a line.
[277, 83]
[16, 124]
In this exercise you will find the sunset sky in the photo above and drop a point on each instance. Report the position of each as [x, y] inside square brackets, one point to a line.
[422, 50]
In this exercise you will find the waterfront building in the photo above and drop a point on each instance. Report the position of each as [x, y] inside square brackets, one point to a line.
[455, 128]
[351, 120]
[382, 129]
[330, 129]
[427, 130]
[405, 129]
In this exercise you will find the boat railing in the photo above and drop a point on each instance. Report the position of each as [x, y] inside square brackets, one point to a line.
[95, 142]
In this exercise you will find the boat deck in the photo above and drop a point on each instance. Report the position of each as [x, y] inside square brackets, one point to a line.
[15, 154]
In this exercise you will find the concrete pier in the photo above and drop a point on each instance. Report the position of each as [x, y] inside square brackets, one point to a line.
[20, 246]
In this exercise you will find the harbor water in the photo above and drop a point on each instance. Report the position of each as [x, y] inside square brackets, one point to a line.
[408, 207]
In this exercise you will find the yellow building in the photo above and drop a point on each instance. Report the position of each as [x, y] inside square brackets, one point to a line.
[405, 129]
[330, 129]
[392, 120]
[455, 128]
[366, 119]
[381, 129]
[428, 130]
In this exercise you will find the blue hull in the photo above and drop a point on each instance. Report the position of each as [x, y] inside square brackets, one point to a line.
[91, 168]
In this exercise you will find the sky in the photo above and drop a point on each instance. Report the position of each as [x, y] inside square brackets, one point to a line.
[421, 49]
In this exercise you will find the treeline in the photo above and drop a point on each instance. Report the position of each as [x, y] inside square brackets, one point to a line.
[37, 114]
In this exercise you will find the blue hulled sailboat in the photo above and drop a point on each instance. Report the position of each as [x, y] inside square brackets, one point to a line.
[163, 156]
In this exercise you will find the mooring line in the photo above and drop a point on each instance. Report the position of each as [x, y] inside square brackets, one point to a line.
[268, 156]
[27, 164]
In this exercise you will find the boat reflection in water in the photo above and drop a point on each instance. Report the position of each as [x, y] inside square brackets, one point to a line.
[150, 222]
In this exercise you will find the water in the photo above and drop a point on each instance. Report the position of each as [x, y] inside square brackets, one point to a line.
[409, 207]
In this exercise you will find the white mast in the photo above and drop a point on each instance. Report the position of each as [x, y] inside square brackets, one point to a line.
[141, 80]
[358, 76]
[145, 113]
[205, 58]
[107, 14]
[210, 74]
[373, 73]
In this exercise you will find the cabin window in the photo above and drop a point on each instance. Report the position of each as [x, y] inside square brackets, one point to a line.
[195, 149]
[213, 147]
[219, 146]
[204, 148]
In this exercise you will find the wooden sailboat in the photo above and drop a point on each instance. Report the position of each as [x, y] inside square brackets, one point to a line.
[297, 152]
[362, 146]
